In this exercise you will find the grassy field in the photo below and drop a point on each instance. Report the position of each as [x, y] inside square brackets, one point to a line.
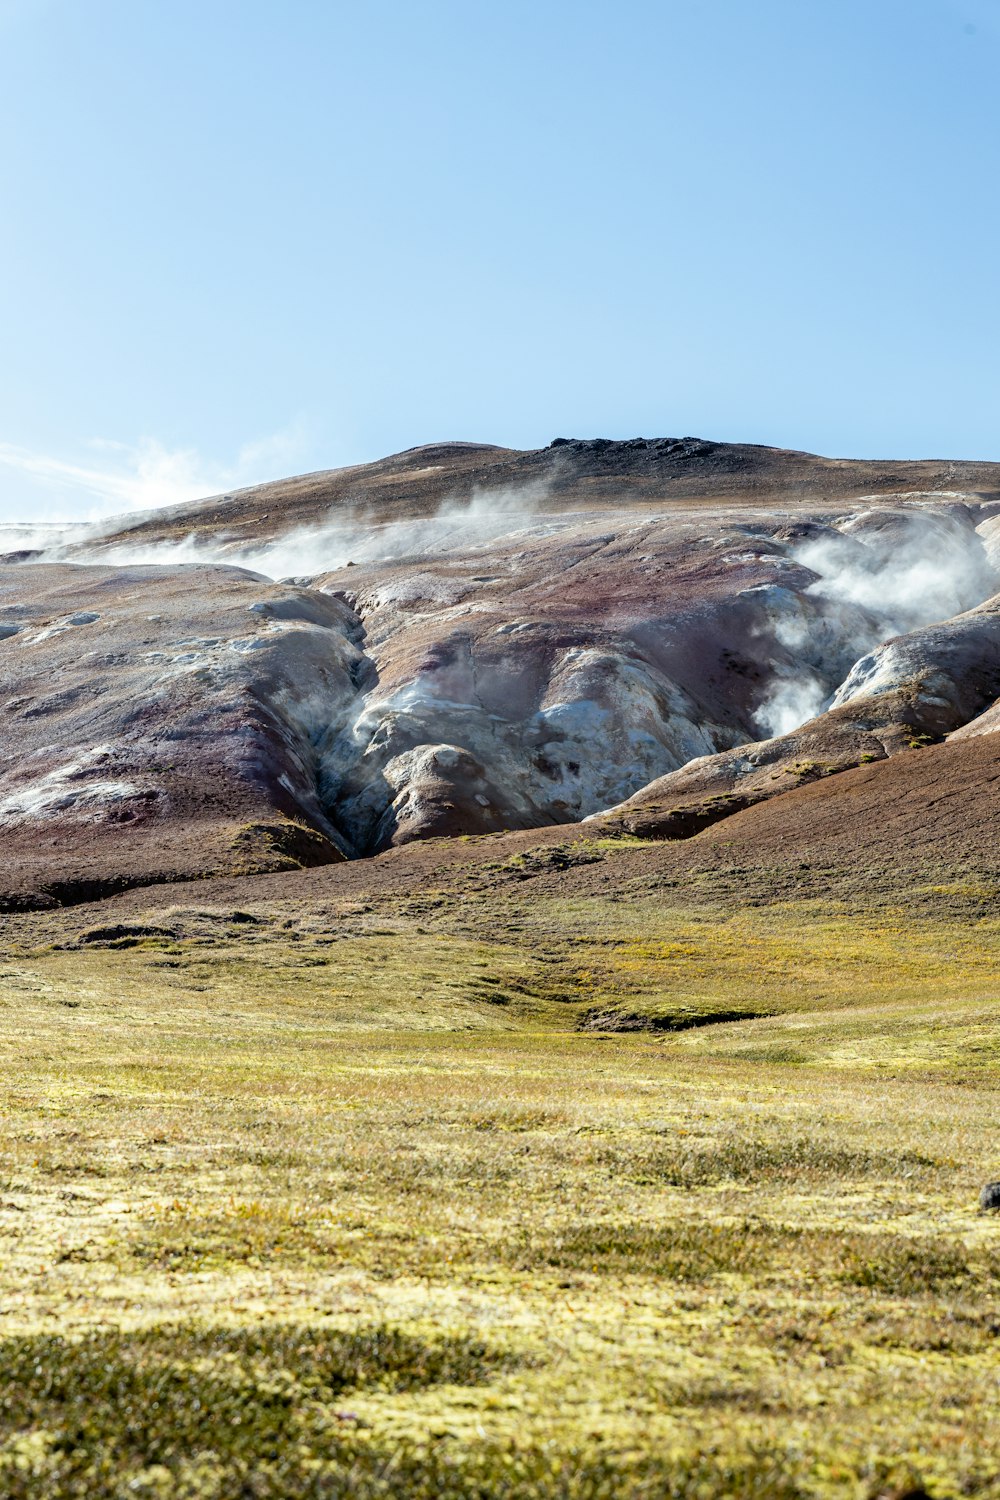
[533, 1198]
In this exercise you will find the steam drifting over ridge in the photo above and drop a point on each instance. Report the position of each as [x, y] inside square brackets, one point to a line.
[522, 654]
[879, 573]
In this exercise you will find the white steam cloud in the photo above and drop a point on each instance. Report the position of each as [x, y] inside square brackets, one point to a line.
[905, 577]
[790, 702]
[881, 573]
[458, 523]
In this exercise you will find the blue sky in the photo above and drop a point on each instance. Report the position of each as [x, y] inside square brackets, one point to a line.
[246, 238]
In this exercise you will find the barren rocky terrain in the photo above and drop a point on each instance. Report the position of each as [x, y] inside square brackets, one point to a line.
[463, 640]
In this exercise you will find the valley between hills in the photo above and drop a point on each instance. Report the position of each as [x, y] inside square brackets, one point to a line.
[500, 983]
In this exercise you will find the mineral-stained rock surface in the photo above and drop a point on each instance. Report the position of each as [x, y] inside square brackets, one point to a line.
[147, 728]
[461, 640]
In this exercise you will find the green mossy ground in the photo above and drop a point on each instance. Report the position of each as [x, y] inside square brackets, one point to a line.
[358, 1201]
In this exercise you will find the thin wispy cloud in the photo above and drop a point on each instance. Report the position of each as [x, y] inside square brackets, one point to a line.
[115, 477]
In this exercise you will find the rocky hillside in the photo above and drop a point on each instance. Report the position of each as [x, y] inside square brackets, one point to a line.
[464, 639]
[568, 474]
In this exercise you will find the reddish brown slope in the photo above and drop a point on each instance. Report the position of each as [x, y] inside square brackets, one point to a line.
[939, 805]
[566, 475]
[919, 828]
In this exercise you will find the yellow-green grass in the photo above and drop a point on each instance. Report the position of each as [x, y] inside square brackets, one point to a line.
[356, 1207]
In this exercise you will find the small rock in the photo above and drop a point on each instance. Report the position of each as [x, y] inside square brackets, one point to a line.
[989, 1198]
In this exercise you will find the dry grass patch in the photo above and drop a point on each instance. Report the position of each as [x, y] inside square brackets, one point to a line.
[804, 1159]
[210, 1411]
[644, 1264]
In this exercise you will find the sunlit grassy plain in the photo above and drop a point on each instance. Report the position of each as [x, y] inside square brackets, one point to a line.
[372, 1200]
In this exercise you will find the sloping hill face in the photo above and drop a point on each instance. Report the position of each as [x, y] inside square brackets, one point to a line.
[569, 474]
[918, 812]
[146, 729]
[467, 639]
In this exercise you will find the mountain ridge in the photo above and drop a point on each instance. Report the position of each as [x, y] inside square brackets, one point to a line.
[469, 640]
[416, 480]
